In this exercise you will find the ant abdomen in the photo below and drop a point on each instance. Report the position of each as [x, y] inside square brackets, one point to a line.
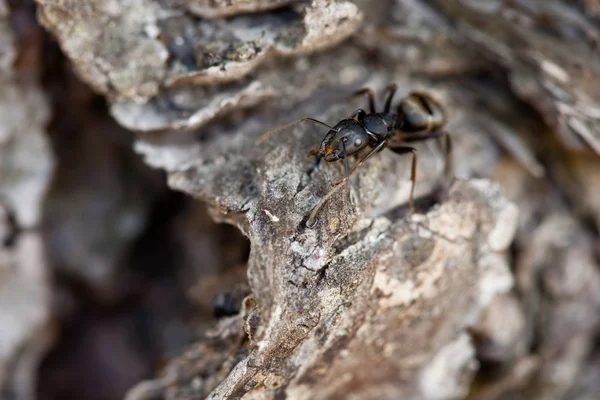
[420, 113]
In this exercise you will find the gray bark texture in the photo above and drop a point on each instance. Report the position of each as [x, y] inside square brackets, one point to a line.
[488, 290]
[26, 165]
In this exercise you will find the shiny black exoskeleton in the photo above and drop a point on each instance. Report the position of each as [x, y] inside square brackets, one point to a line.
[418, 117]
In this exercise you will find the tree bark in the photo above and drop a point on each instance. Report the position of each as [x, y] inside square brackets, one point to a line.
[490, 289]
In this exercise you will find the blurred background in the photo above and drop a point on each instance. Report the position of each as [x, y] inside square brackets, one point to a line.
[103, 276]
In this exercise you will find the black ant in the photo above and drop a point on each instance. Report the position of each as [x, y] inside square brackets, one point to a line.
[419, 117]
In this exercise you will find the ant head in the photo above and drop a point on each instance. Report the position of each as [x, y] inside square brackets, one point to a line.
[346, 138]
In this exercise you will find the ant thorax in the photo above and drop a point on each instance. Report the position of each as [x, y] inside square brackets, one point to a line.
[382, 125]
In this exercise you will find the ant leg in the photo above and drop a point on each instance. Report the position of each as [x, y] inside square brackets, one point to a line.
[275, 131]
[448, 162]
[345, 153]
[370, 93]
[313, 213]
[388, 103]
[315, 167]
[361, 162]
[445, 143]
[337, 186]
[358, 114]
[413, 170]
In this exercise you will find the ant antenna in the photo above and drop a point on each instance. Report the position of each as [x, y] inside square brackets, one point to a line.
[282, 128]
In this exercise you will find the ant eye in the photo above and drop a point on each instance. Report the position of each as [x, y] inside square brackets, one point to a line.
[357, 142]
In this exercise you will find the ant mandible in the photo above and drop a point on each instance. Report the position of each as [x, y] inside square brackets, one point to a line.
[419, 117]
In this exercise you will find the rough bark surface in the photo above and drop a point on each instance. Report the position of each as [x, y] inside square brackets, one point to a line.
[335, 305]
[489, 290]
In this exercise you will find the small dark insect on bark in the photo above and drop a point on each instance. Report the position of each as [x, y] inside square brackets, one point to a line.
[418, 117]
